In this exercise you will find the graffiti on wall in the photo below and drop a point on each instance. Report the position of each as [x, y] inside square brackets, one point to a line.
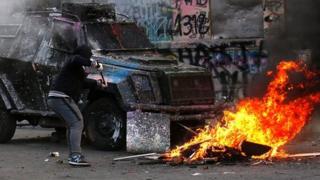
[273, 11]
[231, 67]
[154, 15]
[191, 19]
[169, 20]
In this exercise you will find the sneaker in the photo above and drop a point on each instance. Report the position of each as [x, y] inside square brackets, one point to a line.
[78, 160]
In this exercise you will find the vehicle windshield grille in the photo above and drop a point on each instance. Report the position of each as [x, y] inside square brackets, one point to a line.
[191, 89]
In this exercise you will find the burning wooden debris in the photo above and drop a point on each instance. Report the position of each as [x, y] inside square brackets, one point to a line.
[225, 156]
[217, 154]
[253, 149]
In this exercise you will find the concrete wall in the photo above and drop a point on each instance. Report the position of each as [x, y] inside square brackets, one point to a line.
[191, 21]
[167, 20]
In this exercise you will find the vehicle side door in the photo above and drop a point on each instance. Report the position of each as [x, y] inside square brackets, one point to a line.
[19, 43]
[56, 48]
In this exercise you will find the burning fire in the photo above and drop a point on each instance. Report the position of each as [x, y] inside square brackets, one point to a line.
[273, 120]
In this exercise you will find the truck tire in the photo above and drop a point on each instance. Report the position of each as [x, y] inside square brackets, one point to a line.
[59, 134]
[105, 124]
[7, 125]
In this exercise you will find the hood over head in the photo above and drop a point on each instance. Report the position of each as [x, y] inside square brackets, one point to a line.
[84, 51]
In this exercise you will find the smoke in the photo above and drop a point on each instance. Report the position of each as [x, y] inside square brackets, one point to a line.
[303, 26]
[299, 29]
[7, 6]
[7, 9]
[11, 10]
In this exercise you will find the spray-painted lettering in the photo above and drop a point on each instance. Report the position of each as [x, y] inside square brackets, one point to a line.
[202, 2]
[273, 12]
[169, 20]
[191, 19]
[192, 24]
[154, 15]
[190, 2]
[231, 67]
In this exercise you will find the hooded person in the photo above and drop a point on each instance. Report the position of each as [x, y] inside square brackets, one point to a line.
[64, 94]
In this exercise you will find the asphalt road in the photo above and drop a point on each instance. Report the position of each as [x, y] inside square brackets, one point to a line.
[26, 157]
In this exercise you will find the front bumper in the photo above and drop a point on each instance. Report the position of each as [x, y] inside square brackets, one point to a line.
[182, 113]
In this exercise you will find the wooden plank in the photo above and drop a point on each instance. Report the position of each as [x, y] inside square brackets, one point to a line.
[188, 129]
[304, 155]
[134, 156]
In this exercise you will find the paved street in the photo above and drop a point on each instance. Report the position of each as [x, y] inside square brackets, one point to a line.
[26, 157]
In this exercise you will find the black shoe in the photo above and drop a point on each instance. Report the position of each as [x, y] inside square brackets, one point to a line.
[78, 160]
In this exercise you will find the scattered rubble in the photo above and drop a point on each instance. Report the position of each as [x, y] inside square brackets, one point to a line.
[54, 154]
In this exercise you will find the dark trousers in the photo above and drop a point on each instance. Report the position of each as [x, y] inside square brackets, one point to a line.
[68, 110]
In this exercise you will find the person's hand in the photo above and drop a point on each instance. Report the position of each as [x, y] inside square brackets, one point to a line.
[94, 63]
[99, 67]
[101, 84]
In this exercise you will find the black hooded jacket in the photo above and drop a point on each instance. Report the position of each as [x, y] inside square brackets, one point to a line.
[72, 78]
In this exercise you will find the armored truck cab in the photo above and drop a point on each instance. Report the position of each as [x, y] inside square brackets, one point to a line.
[139, 77]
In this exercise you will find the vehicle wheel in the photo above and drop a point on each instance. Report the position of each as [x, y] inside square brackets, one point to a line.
[7, 125]
[105, 124]
[58, 135]
[61, 132]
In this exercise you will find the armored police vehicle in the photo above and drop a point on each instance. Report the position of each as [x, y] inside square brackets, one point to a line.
[139, 77]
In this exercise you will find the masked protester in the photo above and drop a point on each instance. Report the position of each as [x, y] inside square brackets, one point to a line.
[65, 93]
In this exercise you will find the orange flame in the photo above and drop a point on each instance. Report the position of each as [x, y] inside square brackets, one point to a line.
[272, 120]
